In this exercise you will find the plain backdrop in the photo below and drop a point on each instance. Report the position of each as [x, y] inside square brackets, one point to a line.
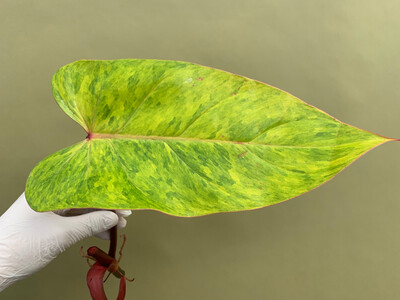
[340, 241]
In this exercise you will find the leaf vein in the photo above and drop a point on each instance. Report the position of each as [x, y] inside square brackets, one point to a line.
[193, 170]
[123, 167]
[140, 104]
[187, 139]
[94, 113]
[266, 161]
[209, 108]
[88, 164]
[54, 176]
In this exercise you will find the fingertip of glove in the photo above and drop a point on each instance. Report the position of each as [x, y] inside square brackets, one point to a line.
[121, 223]
[110, 219]
[123, 212]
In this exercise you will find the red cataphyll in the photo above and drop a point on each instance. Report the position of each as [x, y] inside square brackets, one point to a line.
[105, 262]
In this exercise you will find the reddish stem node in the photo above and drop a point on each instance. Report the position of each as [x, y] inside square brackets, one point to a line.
[89, 136]
[105, 262]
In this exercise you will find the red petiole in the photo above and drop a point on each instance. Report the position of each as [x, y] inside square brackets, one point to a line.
[105, 262]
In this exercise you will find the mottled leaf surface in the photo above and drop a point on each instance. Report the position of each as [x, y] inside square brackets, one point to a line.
[186, 140]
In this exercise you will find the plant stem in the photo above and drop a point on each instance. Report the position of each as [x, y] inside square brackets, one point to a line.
[106, 261]
[113, 241]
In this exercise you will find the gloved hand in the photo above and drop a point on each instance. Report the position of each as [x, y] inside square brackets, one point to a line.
[29, 240]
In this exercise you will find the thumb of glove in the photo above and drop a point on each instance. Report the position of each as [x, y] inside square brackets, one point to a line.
[89, 224]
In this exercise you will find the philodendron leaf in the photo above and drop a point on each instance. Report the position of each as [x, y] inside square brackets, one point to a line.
[186, 140]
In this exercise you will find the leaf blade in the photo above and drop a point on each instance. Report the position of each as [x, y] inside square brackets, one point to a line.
[188, 140]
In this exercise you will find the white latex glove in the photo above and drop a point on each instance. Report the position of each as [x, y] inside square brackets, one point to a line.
[29, 240]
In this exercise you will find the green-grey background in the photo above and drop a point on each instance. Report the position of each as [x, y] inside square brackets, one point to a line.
[339, 241]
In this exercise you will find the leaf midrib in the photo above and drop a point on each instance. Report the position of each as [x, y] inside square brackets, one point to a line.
[187, 139]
